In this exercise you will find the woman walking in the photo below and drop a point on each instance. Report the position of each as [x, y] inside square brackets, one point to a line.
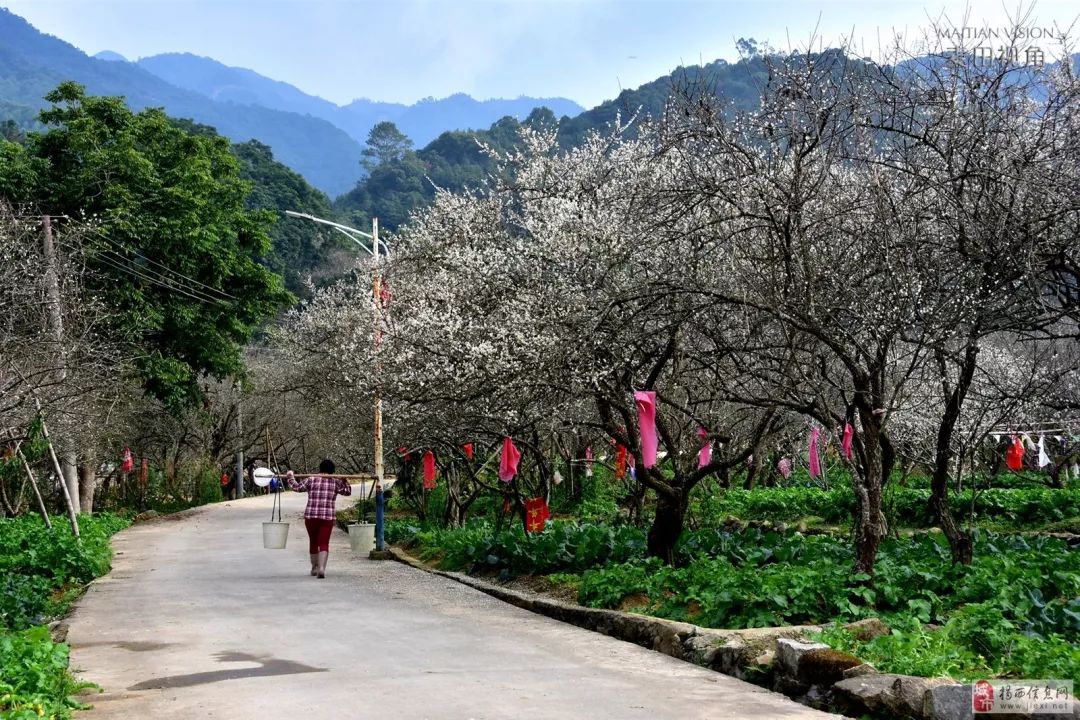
[319, 515]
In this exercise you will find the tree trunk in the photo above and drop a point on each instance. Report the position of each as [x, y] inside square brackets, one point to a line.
[70, 468]
[87, 484]
[869, 520]
[667, 526]
[960, 544]
[754, 467]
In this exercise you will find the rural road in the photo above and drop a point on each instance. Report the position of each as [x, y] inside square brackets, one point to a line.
[197, 621]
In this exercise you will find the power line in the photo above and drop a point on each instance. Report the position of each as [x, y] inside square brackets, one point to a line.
[166, 268]
[156, 280]
[150, 276]
[122, 255]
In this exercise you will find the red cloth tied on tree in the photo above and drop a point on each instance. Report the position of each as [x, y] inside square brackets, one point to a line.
[620, 462]
[704, 456]
[845, 444]
[646, 409]
[468, 448]
[536, 514]
[429, 470]
[1014, 456]
[508, 464]
[815, 462]
[127, 464]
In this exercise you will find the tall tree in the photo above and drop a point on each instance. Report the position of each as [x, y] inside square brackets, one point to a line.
[171, 238]
[385, 145]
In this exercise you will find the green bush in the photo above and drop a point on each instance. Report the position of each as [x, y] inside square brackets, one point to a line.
[962, 651]
[1000, 507]
[42, 571]
[25, 600]
[34, 677]
[27, 547]
[561, 547]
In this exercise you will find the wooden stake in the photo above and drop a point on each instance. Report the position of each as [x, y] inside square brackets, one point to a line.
[60, 474]
[37, 492]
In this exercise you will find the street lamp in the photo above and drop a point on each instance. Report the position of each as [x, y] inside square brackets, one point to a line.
[376, 295]
[351, 233]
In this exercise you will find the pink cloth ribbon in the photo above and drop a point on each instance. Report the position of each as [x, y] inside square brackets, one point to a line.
[704, 456]
[508, 464]
[646, 409]
[815, 463]
[845, 444]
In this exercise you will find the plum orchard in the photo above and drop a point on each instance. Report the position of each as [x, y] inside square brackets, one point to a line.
[887, 245]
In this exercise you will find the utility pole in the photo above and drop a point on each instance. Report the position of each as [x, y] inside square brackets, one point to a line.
[377, 292]
[378, 297]
[68, 464]
[239, 442]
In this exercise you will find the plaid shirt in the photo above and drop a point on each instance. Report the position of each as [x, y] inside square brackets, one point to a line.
[321, 493]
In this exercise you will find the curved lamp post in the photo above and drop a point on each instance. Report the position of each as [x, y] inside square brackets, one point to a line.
[374, 247]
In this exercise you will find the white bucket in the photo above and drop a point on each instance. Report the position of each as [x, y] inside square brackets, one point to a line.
[362, 537]
[275, 534]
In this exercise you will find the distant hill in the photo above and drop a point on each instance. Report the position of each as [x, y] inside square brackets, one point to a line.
[110, 56]
[739, 82]
[33, 63]
[455, 161]
[429, 118]
[422, 122]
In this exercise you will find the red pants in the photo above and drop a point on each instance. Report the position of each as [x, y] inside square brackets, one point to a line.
[318, 532]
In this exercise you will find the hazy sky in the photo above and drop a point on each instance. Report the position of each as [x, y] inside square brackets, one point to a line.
[404, 50]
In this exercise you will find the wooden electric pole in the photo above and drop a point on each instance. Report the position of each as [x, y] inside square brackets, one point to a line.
[68, 465]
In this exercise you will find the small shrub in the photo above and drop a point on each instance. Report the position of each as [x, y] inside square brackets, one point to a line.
[34, 677]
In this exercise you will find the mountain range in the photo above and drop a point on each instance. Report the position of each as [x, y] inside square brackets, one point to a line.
[320, 140]
[422, 122]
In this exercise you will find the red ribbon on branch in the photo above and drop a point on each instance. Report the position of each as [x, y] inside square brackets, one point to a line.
[508, 464]
[429, 470]
[620, 462]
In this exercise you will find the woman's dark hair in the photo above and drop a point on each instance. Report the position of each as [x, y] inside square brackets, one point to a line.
[327, 466]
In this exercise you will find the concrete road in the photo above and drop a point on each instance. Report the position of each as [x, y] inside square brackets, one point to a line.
[197, 621]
